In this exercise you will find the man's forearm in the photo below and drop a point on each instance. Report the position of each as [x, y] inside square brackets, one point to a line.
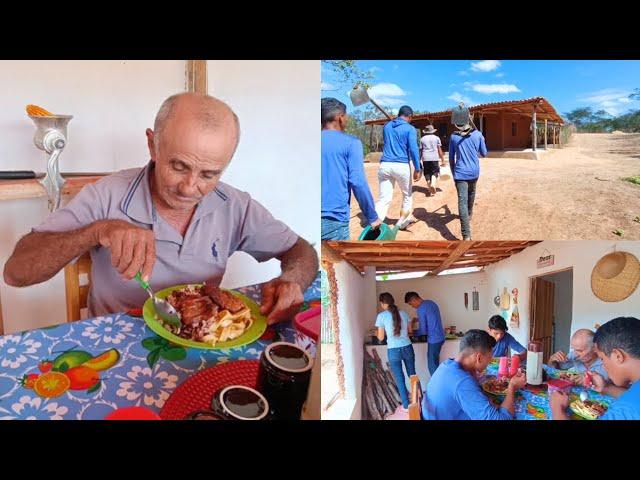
[509, 403]
[38, 256]
[299, 264]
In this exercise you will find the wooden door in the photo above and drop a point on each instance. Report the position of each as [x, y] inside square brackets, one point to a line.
[541, 325]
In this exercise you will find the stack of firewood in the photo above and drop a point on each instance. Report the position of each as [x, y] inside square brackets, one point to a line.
[381, 397]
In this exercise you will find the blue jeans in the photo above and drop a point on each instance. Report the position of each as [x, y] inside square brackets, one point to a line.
[433, 356]
[466, 196]
[396, 357]
[334, 230]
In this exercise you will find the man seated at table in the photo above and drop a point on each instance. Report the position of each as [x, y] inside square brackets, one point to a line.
[504, 341]
[618, 346]
[453, 392]
[582, 357]
[173, 217]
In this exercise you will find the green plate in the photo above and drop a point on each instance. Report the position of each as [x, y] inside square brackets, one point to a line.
[254, 332]
[582, 415]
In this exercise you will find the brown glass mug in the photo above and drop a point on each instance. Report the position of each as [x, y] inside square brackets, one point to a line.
[283, 377]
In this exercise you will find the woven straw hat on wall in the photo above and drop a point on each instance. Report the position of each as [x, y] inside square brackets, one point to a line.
[615, 276]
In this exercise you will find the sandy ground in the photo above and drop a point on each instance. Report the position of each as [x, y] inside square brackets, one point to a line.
[571, 193]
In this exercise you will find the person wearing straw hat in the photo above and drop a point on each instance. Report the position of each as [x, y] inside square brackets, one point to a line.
[464, 146]
[618, 345]
[431, 151]
[399, 151]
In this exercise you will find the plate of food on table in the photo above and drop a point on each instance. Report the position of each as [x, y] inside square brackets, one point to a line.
[496, 386]
[569, 375]
[589, 409]
[210, 317]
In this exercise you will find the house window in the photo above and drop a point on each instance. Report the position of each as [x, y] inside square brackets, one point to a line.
[514, 129]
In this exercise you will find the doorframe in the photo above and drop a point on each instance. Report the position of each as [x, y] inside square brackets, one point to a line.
[532, 277]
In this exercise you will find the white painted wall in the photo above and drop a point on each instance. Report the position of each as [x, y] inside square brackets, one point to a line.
[356, 310]
[582, 257]
[113, 102]
[448, 292]
[278, 159]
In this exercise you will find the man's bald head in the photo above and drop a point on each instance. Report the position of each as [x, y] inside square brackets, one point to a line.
[204, 110]
[583, 336]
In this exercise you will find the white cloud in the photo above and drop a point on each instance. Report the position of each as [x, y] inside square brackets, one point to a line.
[458, 97]
[499, 75]
[388, 94]
[485, 65]
[488, 88]
[375, 69]
[326, 86]
[463, 73]
[611, 100]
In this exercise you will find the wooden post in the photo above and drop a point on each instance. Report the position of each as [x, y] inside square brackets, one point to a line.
[482, 124]
[370, 138]
[196, 76]
[534, 129]
[545, 133]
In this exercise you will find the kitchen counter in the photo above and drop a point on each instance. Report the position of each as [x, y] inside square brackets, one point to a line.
[449, 350]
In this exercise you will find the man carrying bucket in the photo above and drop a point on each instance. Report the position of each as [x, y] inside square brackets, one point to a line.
[400, 148]
[464, 147]
[342, 173]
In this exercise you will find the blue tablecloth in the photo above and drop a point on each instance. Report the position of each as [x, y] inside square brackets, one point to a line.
[532, 403]
[147, 371]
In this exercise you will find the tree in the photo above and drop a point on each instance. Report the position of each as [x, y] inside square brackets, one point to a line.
[635, 95]
[348, 72]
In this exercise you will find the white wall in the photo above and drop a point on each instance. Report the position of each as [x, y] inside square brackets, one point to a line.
[113, 102]
[448, 292]
[356, 311]
[582, 256]
[278, 159]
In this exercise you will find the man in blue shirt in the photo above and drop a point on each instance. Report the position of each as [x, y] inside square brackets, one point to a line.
[583, 356]
[453, 393]
[618, 346]
[342, 173]
[504, 341]
[464, 147]
[400, 149]
[429, 315]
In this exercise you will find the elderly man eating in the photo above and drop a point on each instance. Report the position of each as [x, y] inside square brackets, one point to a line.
[173, 220]
[583, 356]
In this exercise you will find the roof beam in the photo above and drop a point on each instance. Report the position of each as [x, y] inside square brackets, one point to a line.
[462, 247]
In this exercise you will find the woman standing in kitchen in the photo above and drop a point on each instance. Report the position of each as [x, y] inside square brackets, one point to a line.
[395, 324]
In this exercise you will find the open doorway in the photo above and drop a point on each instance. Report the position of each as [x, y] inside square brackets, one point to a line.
[552, 310]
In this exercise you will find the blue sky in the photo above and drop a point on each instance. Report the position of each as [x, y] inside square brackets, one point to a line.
[434, 85]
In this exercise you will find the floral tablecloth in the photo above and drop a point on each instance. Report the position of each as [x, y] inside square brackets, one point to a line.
[130, 365]
[532, 403]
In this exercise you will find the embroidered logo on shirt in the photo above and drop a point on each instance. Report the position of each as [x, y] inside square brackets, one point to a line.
[214, 252]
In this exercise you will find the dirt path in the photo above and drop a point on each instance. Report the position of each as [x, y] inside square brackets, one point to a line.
[571, 193]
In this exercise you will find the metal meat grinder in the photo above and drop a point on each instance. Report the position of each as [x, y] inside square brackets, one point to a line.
[51, 137]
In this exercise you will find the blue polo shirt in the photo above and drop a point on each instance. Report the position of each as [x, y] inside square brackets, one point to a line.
[429, 316]
[400, 142]
[454, 394]
[506, 343]
[343, 173]
[385, 320]
[463, 155]
[626, 407]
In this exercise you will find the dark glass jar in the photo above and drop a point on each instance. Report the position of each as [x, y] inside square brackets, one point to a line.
[283, 377]
[237, 402]
[202, 415]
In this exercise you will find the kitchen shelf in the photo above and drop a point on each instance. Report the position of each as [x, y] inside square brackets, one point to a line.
[32, 188]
